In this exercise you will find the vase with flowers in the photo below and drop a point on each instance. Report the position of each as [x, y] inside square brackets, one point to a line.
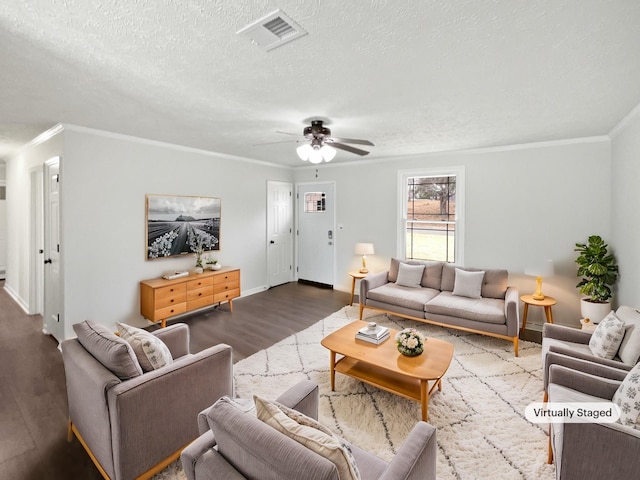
[410, 342]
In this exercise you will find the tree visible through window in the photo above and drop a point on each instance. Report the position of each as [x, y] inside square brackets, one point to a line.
[431, 218]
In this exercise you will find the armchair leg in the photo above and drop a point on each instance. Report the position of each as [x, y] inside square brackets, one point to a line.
[550, 454]
[515, 345]
[361, 310]
[69, 431]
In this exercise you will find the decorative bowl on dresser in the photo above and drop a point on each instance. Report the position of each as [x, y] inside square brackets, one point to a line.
[161, 299]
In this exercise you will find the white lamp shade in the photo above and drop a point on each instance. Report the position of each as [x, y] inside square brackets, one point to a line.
[304, 151]
[328, 153]
[315, 156]
[540, 269]
[364, 249]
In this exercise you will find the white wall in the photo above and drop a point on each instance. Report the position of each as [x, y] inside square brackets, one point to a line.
[104, 180]
[625, 194]
[19, 253]
[522, 203]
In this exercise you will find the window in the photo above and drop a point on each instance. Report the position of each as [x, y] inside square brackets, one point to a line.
[431, 208]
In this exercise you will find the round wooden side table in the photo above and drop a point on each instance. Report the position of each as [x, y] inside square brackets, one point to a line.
[355, 275]
[546, 303]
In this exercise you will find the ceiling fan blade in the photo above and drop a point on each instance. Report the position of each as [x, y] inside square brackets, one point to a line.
[348, 148]
[273, 143]
[349, 140]
[289, 133]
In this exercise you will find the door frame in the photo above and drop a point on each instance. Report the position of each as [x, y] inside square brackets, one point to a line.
[297, 225]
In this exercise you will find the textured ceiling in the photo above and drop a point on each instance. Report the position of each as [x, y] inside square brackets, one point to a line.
[412, 76]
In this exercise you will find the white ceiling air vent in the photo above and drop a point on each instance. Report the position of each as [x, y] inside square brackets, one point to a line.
[272, 30]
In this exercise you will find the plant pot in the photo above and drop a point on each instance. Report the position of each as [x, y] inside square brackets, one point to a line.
[594, 311]
[215, 266]
[199, 270]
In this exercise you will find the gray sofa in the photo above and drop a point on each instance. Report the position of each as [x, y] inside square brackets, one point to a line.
[236, 445]
[434, 300]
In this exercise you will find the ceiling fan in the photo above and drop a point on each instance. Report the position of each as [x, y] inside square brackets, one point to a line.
[322, 145]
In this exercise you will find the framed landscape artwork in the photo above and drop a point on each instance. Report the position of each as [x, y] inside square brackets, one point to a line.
[179, 225]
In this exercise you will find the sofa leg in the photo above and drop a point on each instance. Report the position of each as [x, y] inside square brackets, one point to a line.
[361, 310]
[546, 397]
[69, 431]
[515, 345]
[550, 454]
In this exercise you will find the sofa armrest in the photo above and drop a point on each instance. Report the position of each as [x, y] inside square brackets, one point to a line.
[190, 455]
[564, 333]
[583, 382]
[511, 311]
[163, 405]
[303, 397]
[370, 282]
[568, 351]
[582, 365]
[176, 337]
[596, 450]
[417, 457]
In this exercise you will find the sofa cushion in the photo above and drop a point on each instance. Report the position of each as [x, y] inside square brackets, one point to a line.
[629, 351]
[494, 284]
[627, 397]
[151, 352]
[431, 277]
[488, 310]
[409, 275]
[114, 353]
[607, 337]
[468, 284]
[309, 433]
[412, 298]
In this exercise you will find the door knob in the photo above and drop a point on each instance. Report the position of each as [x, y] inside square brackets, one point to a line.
[272, 242]
[48, 260]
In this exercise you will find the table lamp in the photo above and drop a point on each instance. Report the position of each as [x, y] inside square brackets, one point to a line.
[364, 249]
[539, 270]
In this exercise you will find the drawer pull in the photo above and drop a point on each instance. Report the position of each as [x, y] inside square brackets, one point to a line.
[171, 311]
[172, 300]
[200, 294]
[171, 290]
[226, 287]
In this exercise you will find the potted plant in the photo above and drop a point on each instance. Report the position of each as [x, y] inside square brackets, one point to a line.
[599, 272]
[213, 264]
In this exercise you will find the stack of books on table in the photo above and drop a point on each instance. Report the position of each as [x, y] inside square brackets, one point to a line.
[375, 335]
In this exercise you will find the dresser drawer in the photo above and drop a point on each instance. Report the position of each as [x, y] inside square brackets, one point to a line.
[200, 302]
[233, 276]
[199, 283]
[226, 295]
[163, 302]
[170, 291]
[199, 293]
[167, 312]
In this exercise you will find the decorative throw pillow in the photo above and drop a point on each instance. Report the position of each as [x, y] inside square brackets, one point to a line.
[607, 336]
[409, 275]
[151, 352]
[468, 284]
[111, 351]
[627, 397]
[629, 351]
[311, 434]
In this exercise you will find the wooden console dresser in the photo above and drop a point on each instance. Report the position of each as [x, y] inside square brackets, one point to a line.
[161, 299]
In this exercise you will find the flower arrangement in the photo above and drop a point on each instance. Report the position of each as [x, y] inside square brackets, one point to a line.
[410, 342]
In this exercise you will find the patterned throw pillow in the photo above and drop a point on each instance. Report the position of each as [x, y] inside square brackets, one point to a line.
[151, 352]
[627, 397]
[607, 337]
[311, 434]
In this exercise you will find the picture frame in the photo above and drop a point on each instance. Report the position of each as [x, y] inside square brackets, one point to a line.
[181, 225]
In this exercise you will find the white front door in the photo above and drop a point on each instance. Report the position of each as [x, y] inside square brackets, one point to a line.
[280, 232]
[53, 323]
[316, 232]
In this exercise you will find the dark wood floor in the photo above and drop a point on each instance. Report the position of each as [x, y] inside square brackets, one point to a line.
[33, 404]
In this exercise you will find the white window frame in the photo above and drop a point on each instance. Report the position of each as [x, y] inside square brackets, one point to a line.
[403, 176]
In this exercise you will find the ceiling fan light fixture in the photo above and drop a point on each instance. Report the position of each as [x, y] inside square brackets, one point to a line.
[304, 151]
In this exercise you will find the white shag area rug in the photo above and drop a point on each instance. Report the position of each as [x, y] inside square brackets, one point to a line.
[481, 429]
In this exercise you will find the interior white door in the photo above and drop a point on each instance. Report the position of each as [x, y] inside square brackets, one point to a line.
[3, 230]
[280, 232]
[52, 315]
[316, 232]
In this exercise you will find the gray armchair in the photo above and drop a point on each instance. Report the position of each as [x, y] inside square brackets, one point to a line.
[568, 346]
[133, 428]
[239, 446]
[590, 450]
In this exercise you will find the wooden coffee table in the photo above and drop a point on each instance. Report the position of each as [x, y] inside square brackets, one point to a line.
[384, 367]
